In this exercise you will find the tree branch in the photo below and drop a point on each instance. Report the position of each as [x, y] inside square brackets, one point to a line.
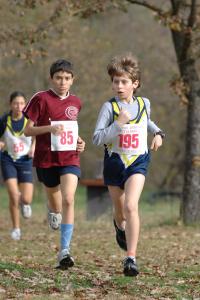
[147, 5]
[192, 17]
[188, 35]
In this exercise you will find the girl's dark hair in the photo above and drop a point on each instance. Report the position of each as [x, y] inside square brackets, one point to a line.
[61, 65]
[16, 94]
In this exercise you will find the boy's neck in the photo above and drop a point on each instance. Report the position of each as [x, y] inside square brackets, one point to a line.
[61, 96]
[16, 117]
[128, 101]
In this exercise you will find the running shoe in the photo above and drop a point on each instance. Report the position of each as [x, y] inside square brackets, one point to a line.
[16, 234]
[26, 210]
[120, 237]
[130, 267]
[65, 260]
[54, 220]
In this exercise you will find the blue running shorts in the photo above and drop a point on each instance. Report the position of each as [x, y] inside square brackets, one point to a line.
[50, 177]
[115, 173]
[21, 169]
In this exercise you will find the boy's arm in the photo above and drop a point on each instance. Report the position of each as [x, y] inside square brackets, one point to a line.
[2, 145]
[31, 130]
[153, 128]
[105, 129]
[156, 142]
[80, 145]
[32, 148]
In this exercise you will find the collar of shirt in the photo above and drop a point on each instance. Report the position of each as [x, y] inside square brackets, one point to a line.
[61, 98]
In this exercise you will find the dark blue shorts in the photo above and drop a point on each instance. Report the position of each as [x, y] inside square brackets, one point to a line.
[50, 177]
[20, 169]
[116, 174]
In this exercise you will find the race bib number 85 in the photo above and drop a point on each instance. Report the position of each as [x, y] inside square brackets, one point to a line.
[67, 140]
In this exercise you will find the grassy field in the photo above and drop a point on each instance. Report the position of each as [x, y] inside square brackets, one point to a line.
[168, 256]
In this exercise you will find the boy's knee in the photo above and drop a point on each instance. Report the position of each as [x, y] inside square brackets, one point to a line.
[14, 197]
[68, 200]
[131, 208]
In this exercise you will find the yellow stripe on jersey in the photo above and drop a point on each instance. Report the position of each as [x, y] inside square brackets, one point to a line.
[9, 127]
[128, 160]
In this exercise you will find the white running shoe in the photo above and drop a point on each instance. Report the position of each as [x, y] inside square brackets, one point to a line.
[16, 234]
[26, 210]
[54, 220]
[65, 260]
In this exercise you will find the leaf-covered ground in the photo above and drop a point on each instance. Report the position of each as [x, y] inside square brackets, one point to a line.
[168, 256]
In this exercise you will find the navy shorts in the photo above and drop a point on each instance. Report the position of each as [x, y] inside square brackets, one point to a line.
[21, 169]
[115, 173]
[50, 177]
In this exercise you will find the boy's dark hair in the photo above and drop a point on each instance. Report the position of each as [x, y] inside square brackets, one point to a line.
[16, 94]
[61, 65]
[127, 64]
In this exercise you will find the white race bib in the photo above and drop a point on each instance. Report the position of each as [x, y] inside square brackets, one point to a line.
[17, 146]
[67, 140]
[132, 140]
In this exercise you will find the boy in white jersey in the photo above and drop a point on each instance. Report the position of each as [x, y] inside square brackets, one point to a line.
[122, 127]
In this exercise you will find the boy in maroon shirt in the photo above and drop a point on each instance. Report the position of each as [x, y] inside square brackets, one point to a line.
[52, 118]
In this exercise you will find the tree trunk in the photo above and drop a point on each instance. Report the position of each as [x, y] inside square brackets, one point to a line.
[182, 40]
[191, 189]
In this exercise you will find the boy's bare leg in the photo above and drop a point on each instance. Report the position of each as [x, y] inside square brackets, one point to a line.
[54, 199]
[14, 195]
[117, 195]
[68, 185]
[26, 189]
[133, 188]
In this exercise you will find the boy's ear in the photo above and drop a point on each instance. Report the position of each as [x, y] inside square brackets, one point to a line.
[136, 84]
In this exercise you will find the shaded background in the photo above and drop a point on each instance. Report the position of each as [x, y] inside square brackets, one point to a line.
[89, 44]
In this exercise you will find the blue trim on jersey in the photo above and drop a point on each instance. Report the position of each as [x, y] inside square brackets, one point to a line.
[18, 125]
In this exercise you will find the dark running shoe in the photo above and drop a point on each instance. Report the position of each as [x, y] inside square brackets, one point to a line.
[65, 260]
[120, 237]
[130, 267]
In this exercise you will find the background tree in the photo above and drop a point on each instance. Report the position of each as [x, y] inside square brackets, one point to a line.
[183, 20]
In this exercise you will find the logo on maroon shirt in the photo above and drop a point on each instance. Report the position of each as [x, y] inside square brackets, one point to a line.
[71, 112]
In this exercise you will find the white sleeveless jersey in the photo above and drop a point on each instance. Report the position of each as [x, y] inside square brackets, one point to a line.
[16, 143]
[132, 138]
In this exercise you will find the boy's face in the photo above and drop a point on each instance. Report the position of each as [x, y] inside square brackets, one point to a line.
[124, 87]
[61, 82]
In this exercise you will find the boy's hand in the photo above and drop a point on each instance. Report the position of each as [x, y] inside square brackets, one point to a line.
[124, 117]
[56, 129]
[2, 145]
[80, 145]
[156, 142]
[31, 151]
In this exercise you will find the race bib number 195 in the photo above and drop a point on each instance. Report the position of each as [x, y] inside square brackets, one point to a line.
[132, 140]
[67, 140]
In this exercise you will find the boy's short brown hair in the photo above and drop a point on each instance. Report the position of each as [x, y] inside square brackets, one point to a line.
[124, 64]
